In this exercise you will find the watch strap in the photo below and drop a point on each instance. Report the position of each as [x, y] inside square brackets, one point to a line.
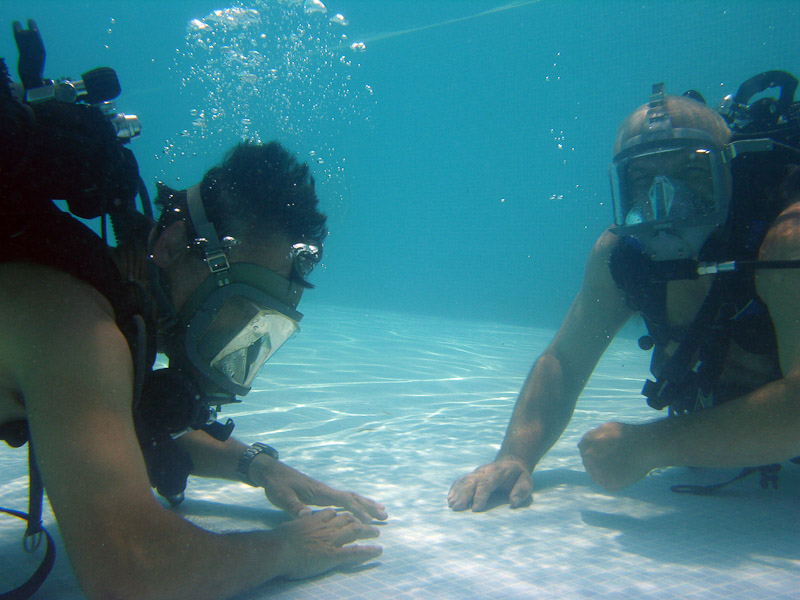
[246, 459]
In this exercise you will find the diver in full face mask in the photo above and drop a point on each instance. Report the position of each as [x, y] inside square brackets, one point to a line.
[223, 271]
[670, 179]
[228, 262]
[220, 328]
[724, 358]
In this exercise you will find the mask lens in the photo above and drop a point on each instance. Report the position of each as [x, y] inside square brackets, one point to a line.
[664, 185]
[242, 337]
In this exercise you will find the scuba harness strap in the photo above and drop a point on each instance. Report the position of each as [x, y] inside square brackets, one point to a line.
[33, 533]
[685, 382]
[679, 373]
[688, 379]
[769, 477]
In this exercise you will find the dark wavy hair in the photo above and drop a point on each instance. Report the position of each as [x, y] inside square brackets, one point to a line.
[258, 190]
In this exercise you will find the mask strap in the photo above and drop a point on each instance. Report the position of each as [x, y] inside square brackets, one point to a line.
[214, 253]
[659, 125]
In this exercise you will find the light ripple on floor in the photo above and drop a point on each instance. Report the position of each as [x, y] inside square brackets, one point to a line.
[396, 406]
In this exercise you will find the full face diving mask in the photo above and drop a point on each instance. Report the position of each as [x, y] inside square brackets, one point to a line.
[240, 315]
[231, 330]
[669, 186]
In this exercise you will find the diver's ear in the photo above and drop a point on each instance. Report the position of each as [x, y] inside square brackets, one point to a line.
[171, 244]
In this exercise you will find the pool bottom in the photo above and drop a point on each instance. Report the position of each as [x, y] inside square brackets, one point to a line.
[396, 407]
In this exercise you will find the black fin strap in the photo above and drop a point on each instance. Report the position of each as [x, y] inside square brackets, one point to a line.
[33, 533]
[769, 477]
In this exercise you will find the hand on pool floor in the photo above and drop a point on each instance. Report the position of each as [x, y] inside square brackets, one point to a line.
[290, 490]
[317, 543]
[615, 455]
[473, 490]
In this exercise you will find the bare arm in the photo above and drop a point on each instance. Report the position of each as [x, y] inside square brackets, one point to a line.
[547, 400]
[74, 371]
[210, 457]
[284, 486]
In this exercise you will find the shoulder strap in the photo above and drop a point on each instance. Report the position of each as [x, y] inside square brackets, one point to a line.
[677, 373]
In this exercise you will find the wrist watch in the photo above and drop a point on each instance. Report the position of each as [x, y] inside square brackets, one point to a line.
[243, 468]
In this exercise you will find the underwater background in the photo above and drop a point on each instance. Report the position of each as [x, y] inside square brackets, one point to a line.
[460, 147]
[461, 151]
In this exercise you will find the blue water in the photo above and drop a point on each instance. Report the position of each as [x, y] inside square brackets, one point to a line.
[462, 159]
[473, 180]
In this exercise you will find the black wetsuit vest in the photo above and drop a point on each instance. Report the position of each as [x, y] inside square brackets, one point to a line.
[735, 313]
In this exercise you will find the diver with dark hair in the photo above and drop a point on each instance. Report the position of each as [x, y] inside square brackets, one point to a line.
[706, 247]
[214, 284]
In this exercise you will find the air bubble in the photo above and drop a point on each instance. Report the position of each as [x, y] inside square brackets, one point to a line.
[274, 66]
[197, 25]
[314, 6]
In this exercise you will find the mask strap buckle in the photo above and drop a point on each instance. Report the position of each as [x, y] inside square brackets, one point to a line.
[214, 253]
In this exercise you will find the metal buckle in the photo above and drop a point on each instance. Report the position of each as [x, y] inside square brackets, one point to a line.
[217, 261]
[739, 147]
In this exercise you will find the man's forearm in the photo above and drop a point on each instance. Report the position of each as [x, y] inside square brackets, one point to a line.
[759, 428]
[154, 553]
[542, 412]
[223, 565]
[210, 457]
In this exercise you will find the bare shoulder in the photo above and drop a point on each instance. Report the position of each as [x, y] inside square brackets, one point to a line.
[60, 342]
[780, 288]
[28, 287]
[596, 315]
[597, 274]
[60, 345]
[40, 309]
[782, 241]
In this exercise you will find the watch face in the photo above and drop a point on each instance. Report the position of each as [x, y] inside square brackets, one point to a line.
[259, 448]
